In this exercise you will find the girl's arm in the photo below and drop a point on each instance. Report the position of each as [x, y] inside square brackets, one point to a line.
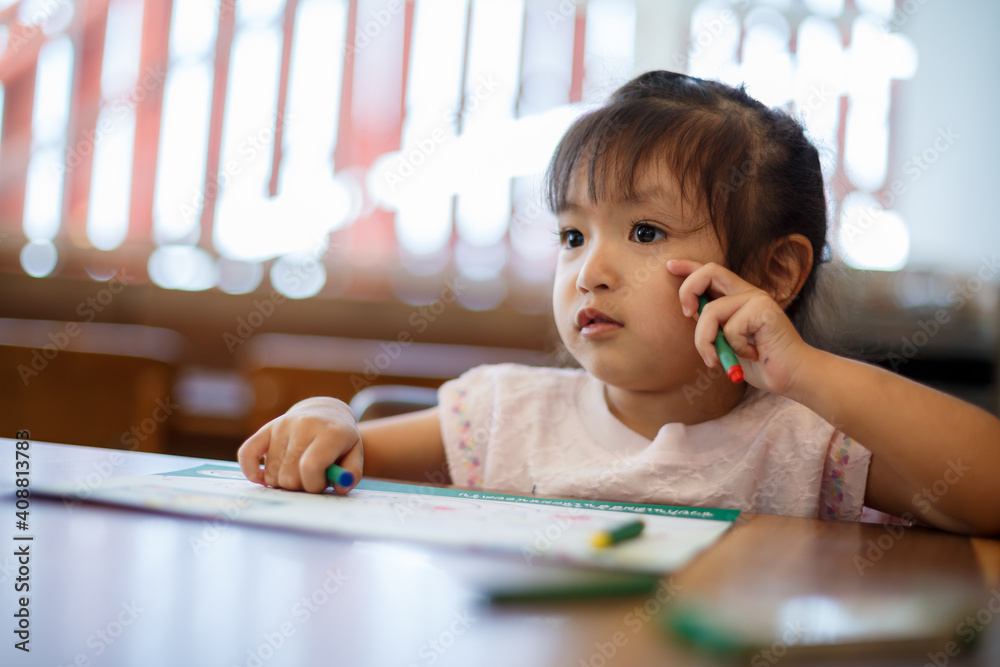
[933, 455]
[302, 443]
[406, 447]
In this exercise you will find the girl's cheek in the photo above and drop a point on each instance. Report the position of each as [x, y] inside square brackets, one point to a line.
[672, 286]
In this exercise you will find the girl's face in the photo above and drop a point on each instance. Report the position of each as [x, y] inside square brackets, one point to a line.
[615, 302]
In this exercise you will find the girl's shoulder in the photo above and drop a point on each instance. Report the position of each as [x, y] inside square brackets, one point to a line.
[776, 416]
[758, 404]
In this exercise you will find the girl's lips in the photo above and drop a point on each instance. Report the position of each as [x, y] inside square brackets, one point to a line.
[597, 329]
[593, 322]
[587, 315]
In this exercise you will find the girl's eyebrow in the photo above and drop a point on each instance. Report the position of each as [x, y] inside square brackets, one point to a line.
[663, 204]
[660, 212]
[570, 207]
[648, 197]
[654, 196]
[662, 209]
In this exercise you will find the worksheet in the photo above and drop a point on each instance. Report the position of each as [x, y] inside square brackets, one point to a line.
[539, 529]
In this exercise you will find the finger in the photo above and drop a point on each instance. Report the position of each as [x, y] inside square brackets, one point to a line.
[710, 279]
[761, 315]
[682, 267]
[739, 314]
[276, 453]
[298, 443]
[325, 450]
[250, 452]
[717, 314]
[354, 462]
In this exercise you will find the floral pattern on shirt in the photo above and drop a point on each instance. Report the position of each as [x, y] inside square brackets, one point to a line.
[471, 461]
[841, 457]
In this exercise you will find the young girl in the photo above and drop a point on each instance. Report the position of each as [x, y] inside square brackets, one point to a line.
[677, 187]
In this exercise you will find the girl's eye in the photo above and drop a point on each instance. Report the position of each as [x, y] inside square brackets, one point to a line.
[643, 233]
[570, 238]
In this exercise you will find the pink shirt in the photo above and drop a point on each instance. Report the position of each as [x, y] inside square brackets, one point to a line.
[549, 431]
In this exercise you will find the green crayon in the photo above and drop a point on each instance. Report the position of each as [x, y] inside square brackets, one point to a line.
[626, 531]
[339, 475]
[722, 348]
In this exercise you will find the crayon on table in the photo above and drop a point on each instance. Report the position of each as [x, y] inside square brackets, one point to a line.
[726, 355]
[338, 475]
[623, 532]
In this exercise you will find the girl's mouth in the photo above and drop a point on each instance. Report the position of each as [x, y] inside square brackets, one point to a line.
[593, 323]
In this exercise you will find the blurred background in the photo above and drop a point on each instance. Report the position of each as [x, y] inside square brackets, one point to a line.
[210, 210]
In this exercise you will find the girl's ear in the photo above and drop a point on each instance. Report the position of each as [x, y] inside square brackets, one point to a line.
[789, 261]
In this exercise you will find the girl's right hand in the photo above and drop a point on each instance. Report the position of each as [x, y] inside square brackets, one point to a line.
[301, 444]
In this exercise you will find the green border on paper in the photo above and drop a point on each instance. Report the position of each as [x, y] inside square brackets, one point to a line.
[712, 514]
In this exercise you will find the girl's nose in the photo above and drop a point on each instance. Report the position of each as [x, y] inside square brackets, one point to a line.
[598, 271]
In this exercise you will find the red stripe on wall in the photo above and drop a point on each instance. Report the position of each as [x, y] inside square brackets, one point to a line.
[579, 37]
[223, 48]
[153, 63]
[288, 35]
[343, 154]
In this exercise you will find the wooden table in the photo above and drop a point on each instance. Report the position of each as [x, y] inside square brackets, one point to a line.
[112, 586]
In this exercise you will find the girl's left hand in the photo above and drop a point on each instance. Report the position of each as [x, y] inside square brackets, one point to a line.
[761, 335]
